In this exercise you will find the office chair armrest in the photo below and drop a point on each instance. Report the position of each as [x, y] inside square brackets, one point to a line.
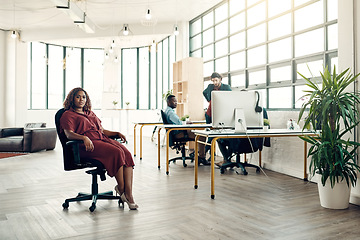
[74, 144]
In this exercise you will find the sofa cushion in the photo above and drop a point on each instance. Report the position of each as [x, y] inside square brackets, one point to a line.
[37, 139]
[11, 144]
[35, 125]
[6, 132]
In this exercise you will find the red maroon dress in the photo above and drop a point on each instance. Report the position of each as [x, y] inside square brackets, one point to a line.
[108, 151]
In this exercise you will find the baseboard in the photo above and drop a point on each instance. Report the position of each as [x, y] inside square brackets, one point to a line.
[355, 199]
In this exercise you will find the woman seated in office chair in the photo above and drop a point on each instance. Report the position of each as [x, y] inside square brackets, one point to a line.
[79, 123]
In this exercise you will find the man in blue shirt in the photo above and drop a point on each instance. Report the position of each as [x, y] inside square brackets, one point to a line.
[173, 118]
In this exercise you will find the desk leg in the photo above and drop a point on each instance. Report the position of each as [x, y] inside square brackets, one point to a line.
[259, 158]
[213, 144]
[141, 141]
[159, 148]
[305, 161]
[135, 140]
[196, 161]
[167, 151]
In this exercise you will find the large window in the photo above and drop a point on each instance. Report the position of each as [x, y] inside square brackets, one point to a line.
[55, 70]
[55, 76]
[145, 82]
[262, 44]
[38, 76]
[93, 75]
[129, 77]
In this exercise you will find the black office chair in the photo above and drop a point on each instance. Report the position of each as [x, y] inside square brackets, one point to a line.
[236, 146]
[73, 161]
[178, 144]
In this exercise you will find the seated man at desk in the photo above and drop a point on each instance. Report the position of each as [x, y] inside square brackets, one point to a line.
[228, 146]
[173, 118]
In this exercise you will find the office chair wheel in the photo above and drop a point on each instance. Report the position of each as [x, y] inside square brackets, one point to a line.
[184, 164]
[120, 202]
[65, 205]
[222, 171]
[92, 208]
[257, 170]
[243, 172]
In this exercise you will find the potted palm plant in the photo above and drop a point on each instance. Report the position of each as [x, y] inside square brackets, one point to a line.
[333, 111]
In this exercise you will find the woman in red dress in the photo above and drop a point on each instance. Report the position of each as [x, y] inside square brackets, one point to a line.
[79, 123]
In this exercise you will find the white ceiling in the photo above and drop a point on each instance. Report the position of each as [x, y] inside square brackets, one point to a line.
[40, 20]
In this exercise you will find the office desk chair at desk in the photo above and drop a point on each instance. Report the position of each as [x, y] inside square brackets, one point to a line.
[72, 161]
[236, 146]
[178, 144]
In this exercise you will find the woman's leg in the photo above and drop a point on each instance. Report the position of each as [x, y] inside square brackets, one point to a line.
[119, 176]
[124, 178]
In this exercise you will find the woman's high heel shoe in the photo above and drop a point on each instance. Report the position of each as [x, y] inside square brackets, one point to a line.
[116, 188]
[132, 206]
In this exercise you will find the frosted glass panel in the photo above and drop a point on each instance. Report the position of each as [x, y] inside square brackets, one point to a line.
[256, 56]
[280, 74]
[279, 26]
[302, 19]
[280, 50]
[309, 42]
[258, 77]
[278, 6]
[280, 97]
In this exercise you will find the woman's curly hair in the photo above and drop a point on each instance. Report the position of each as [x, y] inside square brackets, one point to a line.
[69, 101]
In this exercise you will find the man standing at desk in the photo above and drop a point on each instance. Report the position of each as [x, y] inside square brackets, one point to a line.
[173, 118]
[217, 85]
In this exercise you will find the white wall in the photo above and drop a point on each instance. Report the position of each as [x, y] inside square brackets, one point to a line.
[2, 76]
[349, 53]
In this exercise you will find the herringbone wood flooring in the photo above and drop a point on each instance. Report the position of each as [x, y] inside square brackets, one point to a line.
[257, 206]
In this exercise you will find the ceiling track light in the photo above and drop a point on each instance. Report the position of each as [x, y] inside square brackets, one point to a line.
[126, 30]
[148, 14]
[13, 34]
[76, 14]
[113, 43]
[176, 30]
[86, 25]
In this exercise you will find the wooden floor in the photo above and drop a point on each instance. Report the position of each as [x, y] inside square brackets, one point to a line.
[257, 206]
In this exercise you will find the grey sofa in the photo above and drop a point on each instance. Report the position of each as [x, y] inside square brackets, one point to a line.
[31, 138]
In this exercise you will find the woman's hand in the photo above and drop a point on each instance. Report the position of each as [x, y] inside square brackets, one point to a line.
[122, 137]
[89, 146]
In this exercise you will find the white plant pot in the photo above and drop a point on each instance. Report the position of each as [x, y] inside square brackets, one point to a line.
[334, 198]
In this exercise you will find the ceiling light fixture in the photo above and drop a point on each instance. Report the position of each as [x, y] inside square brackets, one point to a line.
[116, 59]
[86, 25]
[13, 34]
[76, 14]
[113, 43]
[148, 14]
[126, 30]
[176, 30]
[111, 50]
[106, 55]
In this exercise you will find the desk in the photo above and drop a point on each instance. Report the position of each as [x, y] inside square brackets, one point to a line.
[215, 134]
[172, 127]
[142, 124]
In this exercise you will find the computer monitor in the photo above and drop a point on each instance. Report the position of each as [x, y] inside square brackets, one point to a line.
[225, 103]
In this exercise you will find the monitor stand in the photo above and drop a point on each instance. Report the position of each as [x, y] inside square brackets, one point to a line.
[240, 123]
